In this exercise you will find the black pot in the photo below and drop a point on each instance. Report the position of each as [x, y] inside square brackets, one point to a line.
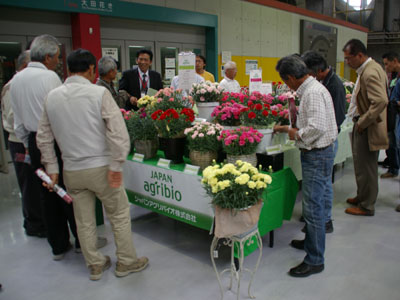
[174, 149]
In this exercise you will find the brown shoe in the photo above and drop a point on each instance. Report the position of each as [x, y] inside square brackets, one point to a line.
[139, 265]
[358, 211]
[352, 201]
[96, 271]
[388, 175]
[398, 208]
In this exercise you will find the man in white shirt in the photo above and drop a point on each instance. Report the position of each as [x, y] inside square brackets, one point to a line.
[31, 210]
[88, 126]
[175, 83]
[229, 84]
[29, 88]
[314, 132]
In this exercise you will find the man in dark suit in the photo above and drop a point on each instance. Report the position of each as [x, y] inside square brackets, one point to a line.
[137, 81]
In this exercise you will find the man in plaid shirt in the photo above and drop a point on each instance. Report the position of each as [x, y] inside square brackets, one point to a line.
[314, 132]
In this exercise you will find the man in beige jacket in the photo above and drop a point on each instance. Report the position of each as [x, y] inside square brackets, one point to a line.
[368, 110]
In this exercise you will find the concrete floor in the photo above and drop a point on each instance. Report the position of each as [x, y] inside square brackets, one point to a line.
[362, 257]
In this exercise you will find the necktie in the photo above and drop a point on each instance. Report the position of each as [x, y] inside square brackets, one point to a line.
[144, 84]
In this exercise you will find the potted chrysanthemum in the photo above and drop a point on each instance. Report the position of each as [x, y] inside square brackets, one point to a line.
[236, 192]
[203, 143]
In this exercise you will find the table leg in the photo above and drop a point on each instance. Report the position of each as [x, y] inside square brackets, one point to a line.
[259, 242]
[271, 239]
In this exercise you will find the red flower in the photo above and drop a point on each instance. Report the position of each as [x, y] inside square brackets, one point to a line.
[265, 113]
[267, 105]
[274, 113]
[155, 114]
[273, 83]
[252, 115]
[259, 106]
[250, 103]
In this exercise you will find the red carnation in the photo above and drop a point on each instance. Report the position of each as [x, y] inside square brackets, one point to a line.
[252, 115]
[274, 113]
[259, 106]
[265, 113]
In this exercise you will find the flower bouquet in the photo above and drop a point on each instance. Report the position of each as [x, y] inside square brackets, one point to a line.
[241, 144]
[203, 143]
[142, 132]
[236, 190]
[349, 87]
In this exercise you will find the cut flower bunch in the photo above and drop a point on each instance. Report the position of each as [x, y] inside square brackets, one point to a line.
[234, 186]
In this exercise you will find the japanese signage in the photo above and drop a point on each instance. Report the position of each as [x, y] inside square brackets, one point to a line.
[96, 5]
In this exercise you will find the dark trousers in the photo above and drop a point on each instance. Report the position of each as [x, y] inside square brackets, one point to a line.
[32, 208]
[57, 213]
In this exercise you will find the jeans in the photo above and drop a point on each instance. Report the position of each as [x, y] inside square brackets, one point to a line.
[317, 168]
[328, 195]
[393, 153]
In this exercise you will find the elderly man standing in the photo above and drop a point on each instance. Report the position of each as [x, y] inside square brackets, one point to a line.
[31, 208]
[368, 110]
[314, 133]
[88, 126]
[108, 72]
[29, 88]
[229, 84]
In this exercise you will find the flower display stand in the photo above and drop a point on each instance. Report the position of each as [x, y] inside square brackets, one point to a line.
[242, 240]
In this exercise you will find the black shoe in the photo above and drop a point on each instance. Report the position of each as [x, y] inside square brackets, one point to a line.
[39, 234]
[383, 164]
[304, 270]
[328, 227]
[302, 219]
[298, 244]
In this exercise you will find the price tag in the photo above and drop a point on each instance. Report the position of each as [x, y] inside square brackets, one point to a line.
[138, 157]
[190, 169]
[163, 163]
[274, 149]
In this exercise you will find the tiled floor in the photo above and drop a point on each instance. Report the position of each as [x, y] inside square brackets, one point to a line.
[362, 257]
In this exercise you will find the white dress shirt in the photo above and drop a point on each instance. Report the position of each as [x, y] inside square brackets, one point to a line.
[7, 113]
[29, 89]
[230, 85]
[352, 111]
[175, 82]
[316, 119]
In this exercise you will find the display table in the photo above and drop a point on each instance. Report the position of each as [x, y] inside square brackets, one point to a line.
[292, 153]
[180, 196]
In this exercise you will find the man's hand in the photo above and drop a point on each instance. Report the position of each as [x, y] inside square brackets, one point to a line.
[358, 128]
[114, 179]
[54, 180]
[293, 133]
[133, 100]
[281, 128]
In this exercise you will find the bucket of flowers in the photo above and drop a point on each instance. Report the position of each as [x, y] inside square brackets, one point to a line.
[228, 114]
[207, 96]
[203, 143]
[236, 191]
[241, 144]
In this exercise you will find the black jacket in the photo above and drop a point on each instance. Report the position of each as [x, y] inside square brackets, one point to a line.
[130, 83]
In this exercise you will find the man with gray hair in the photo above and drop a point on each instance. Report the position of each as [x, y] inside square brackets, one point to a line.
[29, 89]
[229, 84]
[31, 210]
[108, 72]
[314, 132]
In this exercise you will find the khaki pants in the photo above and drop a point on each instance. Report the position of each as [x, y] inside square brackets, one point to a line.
[84, 186]
[365, 170]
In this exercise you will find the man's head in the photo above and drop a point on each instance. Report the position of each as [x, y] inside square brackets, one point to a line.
[23, 59]
[230, 70]
[391, 62]
[82, 62]
[200, 63]
[355, 53]
[144, 58]
[45, 49]
[315, 63]
[292, 70]
[107, 68]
